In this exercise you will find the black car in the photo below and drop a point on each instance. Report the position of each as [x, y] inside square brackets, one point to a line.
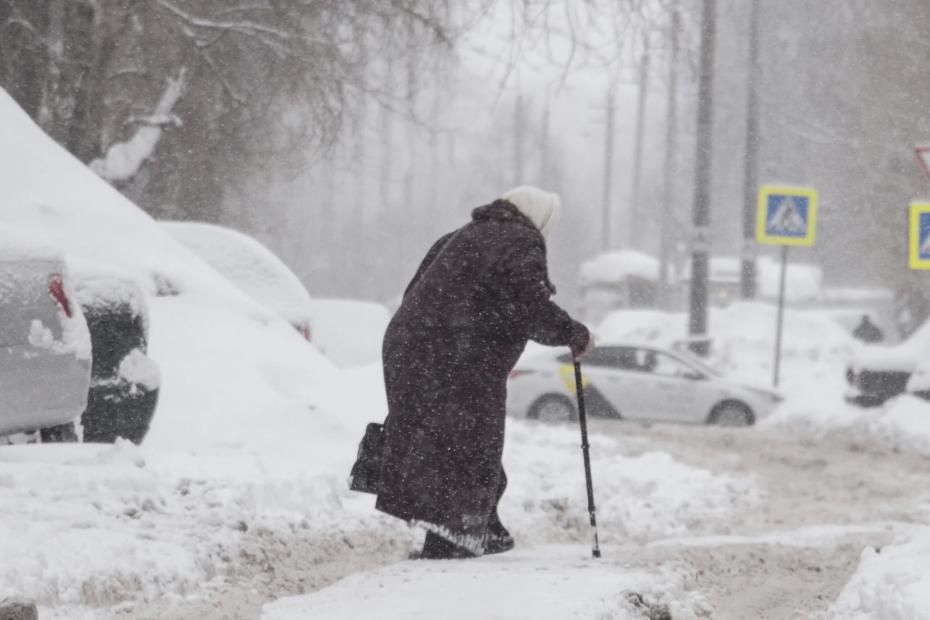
[124, 380]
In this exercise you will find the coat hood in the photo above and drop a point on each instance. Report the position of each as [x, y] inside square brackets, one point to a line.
[541, 207]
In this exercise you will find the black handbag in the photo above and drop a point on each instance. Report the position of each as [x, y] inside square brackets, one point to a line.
[367, 469]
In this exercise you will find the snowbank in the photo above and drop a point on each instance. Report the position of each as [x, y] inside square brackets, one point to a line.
[349, 332]
[620, 265]
[642, 497]
[98, 525]
[802, 282]
[890, 584]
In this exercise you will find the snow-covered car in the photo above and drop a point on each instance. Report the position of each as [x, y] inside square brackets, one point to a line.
[124, 380]
[878, 373]
[635, 382]
[348, 331]
[252, 267]
[919, 383]
[45, 348]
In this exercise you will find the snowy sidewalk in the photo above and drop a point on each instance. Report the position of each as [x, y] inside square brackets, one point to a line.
[557, 582]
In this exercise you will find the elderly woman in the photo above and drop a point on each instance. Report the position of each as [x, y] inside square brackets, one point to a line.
[481, 292]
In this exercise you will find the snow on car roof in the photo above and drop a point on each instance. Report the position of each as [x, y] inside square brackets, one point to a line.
[17, 243]
[248, 264]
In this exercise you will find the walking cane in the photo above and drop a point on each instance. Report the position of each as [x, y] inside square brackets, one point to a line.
[582, 419]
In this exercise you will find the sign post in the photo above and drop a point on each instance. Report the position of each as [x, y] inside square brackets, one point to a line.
[918, 254]
[787, 216]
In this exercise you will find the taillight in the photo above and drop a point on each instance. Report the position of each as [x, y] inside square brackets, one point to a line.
[304, 330]
[56, 288]
[519, 373]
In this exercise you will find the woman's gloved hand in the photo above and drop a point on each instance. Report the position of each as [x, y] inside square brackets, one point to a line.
[588, 347]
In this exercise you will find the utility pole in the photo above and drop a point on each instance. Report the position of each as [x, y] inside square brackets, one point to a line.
[519, 120]
[544, 144]
[608, 169]
[700, 248]
[671, 131]
[634, 231]
[751, 173]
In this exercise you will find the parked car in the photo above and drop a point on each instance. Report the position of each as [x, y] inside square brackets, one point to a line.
[250, 266]
[45, 348]
[878, 373]
[919, 383]
[124, 380]
[638, 383]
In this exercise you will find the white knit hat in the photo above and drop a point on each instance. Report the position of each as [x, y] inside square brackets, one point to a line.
[541, 207]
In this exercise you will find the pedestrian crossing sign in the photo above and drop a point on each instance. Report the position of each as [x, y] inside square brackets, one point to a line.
[919, 253]
[787, 215]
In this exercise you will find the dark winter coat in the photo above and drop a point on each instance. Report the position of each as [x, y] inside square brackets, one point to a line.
[481, 292]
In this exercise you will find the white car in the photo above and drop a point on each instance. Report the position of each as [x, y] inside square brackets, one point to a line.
[637, 383]
[45, 346]
[250, 266]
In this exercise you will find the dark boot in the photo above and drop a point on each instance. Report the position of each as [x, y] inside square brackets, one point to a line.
[436, 547]
[497, 539]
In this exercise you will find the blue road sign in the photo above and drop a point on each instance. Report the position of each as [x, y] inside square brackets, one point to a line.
[787, 215]
[919, 254]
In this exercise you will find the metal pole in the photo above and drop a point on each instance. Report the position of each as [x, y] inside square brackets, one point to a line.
[519, 115]
[781, 314]
[750, 174]
[697, 321]
[582, 420]
[634, 220]
[671, 129]
[608, 166]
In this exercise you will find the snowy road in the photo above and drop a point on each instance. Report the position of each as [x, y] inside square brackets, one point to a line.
[788, 557]
[825, 502]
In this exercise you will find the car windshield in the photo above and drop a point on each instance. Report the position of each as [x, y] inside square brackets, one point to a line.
[698, 363]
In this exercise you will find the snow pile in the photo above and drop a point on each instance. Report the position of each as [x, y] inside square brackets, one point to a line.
[904, 424]
[890, 584]
[619, 265]
[802, 282]
[249, 265]
[642, 497]
[349, 332]
[92, 525]
[555, 583]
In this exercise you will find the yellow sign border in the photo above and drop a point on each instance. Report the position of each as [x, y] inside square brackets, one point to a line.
[914, 261]
[786, 190]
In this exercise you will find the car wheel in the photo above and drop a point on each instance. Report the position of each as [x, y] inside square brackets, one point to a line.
[732, 413]
[63, 433]
[123, 410]
[552, 408]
